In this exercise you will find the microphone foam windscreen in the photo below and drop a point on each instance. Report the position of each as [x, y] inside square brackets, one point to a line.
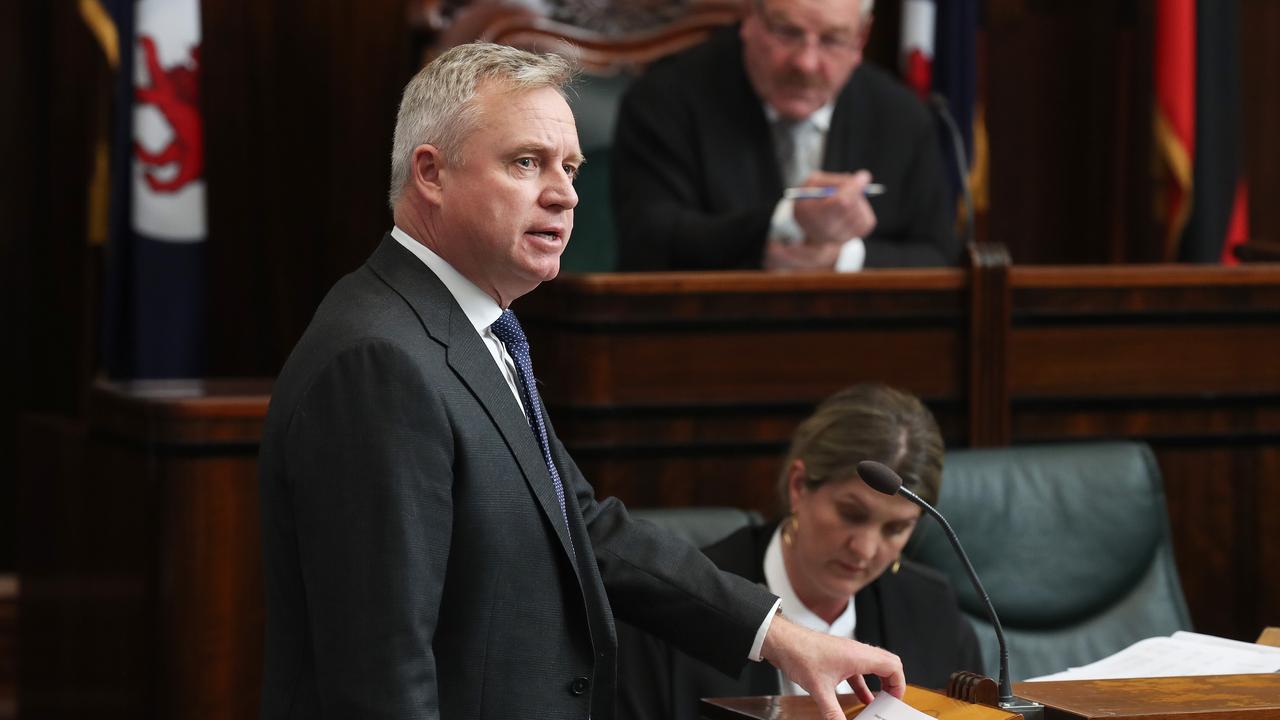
[879, 476]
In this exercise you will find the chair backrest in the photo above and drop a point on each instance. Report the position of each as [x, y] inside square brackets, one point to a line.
[1072, 544]
[612, 41]
[700, 526]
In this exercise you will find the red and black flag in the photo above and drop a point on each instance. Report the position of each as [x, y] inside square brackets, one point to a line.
[1204, 201]
[153, 322]
[938, 58]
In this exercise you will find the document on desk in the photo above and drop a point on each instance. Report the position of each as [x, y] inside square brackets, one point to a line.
[1180, 654]
[888, 707]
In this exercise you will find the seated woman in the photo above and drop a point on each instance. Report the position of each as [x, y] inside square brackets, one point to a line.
[835, 560]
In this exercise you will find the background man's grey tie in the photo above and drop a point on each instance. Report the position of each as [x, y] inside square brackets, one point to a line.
[793, 143]
[507, 329]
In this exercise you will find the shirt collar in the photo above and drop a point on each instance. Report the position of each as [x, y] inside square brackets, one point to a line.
[481, 309]
[775, 574]
[821, 118]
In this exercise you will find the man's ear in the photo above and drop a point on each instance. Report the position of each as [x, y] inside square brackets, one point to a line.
[864, 34]
[426, 173]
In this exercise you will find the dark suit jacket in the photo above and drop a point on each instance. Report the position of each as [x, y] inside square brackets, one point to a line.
[416, 561]
[695, 177]
[912, 613]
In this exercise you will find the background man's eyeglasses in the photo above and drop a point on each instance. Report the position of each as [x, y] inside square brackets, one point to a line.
[794, 37]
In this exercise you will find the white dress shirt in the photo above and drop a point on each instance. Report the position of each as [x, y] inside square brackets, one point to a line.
[775, 574]
[809, 142]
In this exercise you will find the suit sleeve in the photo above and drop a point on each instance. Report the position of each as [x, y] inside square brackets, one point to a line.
[666, 586]
[929, 238]
[369, 453]
[659, 181]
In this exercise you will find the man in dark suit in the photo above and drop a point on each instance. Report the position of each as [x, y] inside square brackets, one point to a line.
[430, 549]
[708, 140]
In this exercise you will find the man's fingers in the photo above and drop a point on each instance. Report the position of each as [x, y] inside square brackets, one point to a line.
[895, 685]
[859, 685]
[822, 177]
[889, 670]
[827, 705]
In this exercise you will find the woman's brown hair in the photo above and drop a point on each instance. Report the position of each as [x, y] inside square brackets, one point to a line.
[868, 422]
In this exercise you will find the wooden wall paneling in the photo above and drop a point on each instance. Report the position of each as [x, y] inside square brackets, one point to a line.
[655, 380]
[1213, 496]
[988, 352]
[300, 101]
[21, 24]
[1068, 98]
[86, 628]
[56, 84]
[1260, 75]
[210, 595]
[1267, 539]
[146, 599]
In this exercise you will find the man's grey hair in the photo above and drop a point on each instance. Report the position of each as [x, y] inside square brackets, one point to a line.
[868, 6]
[439, 108]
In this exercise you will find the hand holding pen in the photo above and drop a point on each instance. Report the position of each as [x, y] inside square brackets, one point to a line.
[833, 207]
[817, 192]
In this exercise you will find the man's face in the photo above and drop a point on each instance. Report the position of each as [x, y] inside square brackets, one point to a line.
[799, 53]
[507, 207]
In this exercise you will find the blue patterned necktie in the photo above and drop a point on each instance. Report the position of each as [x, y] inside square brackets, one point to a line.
[507, 329]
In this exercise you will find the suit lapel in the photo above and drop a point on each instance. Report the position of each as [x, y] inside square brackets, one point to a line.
[471, 361]
[736, 136]
[850, 130]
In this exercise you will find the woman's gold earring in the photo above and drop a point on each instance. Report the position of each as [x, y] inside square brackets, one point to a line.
[790, 528]
[897, 565]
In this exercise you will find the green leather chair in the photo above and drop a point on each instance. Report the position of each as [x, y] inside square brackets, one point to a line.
[593, 245]
[1072, 544]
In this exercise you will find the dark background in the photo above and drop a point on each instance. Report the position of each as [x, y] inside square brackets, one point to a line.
[300, 99]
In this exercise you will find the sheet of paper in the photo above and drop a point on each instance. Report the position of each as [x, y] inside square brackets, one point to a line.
[1176, 656]
[888, 707]
[1225, 642]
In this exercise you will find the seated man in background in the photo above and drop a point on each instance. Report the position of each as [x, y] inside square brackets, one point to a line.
[835, 560]
[708, 140]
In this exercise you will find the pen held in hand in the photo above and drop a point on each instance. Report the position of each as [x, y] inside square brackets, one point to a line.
[817, 192]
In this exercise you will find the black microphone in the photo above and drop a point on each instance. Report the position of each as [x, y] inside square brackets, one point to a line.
[883, 479]
[943, 110]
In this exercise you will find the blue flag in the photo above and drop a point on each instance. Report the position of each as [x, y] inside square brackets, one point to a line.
[955, 64]
[938, 59]
[154, 308]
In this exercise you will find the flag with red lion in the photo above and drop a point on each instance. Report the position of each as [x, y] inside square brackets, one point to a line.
[155, 303]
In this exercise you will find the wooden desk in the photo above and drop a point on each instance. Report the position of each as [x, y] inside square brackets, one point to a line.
[140, 557]
[1245, 697]
[802, 707]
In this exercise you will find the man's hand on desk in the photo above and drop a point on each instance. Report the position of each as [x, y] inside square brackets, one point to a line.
[818, 662]
[844, 214]
[800, 256]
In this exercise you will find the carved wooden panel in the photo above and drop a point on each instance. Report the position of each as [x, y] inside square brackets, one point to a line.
[604, 37]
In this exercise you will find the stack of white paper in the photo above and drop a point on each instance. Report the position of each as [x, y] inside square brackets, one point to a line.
[1183, 653]
[888, 707]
